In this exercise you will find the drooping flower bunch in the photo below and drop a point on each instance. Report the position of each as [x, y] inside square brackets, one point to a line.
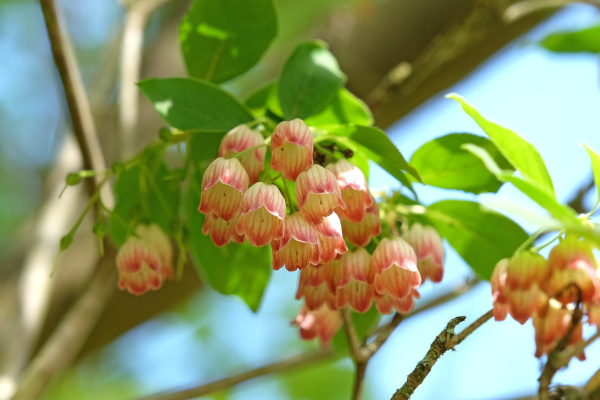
[548, 291]
[332, 209]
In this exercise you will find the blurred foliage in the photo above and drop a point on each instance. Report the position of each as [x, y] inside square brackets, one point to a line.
[582, 41]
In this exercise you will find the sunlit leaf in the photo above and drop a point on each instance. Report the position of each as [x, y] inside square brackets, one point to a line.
[443, 163]
[481, 237]
[519, 153]
[223, 39]
[595, 160]
[310, 78]
[193, 104]
[373, 144]
[586, 40]
[344, 108]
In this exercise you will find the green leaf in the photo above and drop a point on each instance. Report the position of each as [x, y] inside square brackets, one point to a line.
[258, 98]
[533, 190]
[479, 236]
[595, 160]
[193, 104]
[145, 193]
[345, 108]
[443, 163]
[373, 144]
[586, 40]
[241, 270]
[519, 153]
[324, 380]
[310, 78]
[223, 39]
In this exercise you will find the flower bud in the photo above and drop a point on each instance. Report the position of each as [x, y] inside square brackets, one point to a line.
[263, 213]
[395, 265]
[242, 138]
[299, 246]
[145, 261]
[317, 194]
[427, 244]
[223, 186]
[291, 148]
[353, 186]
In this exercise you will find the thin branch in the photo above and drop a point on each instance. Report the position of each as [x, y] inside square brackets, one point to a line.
[66, 341]
[79, 108]
[359, 379]
[436, 350]
[131, 59]
[456, 340]
[280, 366]
[370, 349]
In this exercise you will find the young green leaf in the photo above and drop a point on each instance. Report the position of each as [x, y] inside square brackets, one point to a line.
[595, 160]
[583, 41]
[345, 108]
[480, 237]
[375, 145]
[562, 213]
[442, 162]
[310, 78]
[223, 39]
[193, 104]
[519, 153]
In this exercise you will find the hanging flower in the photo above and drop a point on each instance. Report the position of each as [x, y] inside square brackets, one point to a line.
[317, 194]
[395, 266]
[361, 233]
[243, 138]
[427, 244]
[145, 260]
[221, 231]
[331, 239]
[322, 323]
[353, 186]
[291, 148]
[299, 246]
[223, 186]
[263, 213]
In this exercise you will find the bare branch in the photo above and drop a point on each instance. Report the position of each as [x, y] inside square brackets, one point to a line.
[64, 344]
[370, 349]
[456, 340]
[436, 350]
[79, 108]
[280, 366]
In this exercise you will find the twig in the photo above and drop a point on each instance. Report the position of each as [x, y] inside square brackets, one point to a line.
[131, 57]
[456, 340]
[436, 350]
[370, 349]
[359, 379]
[79, 108]
[66, 341]
[285, 365]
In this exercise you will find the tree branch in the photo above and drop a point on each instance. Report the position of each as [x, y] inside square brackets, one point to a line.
[280, 366]
[456, 340]
[64, 344]
[436, 350]
[79, 108]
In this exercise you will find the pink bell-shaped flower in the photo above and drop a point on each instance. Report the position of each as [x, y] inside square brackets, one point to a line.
[498, 281]
[572, 270]
[221, 231]
[263, 213]
[525, 273]
[330, 235]
[361, 233]
[322, 323]
[145, 260]
[317, 194]
[427, 244]
[357, 291]
[299, 246]
[353, 186]
[386, 304]
[291, 148]
[395, 266]
[223, 186]
[243, 138]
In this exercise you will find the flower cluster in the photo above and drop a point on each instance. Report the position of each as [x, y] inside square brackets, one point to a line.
[145, 260]
[332, 209]
[547, 291]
